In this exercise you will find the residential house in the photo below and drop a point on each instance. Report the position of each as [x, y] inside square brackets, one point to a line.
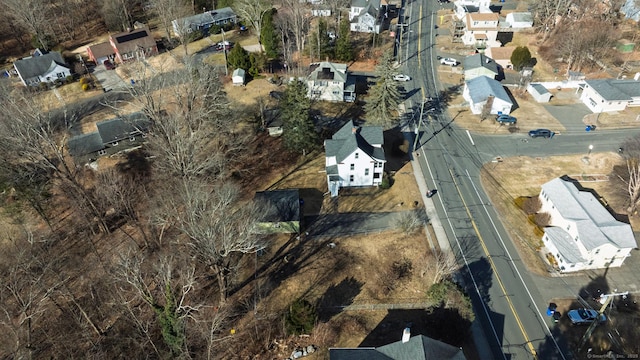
[282, 211]
[354, 157]
[40, 68]
[238, 77]
[483, 91]
[519, 20]
[112, 136]
[481, 30]
[479, 65]
[365, 16]
[604, 95]
[418, 347]
[136, 44]
[539, 92]
[331, 82]
[582, 234]
[203, 22]
[501, 55]
[464, 7]
[99, 53]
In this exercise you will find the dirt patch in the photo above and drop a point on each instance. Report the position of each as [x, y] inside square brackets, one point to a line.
[522, 176]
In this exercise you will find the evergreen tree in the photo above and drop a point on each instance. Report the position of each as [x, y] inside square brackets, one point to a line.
[298, 131]
[384, 97]
[344, 50]
[258, 62]
[521, 57]
[320, 43]
[238, 58]
[269, 36]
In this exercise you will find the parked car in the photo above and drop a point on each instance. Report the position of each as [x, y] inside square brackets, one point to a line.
[109, 65]
[401, 77]
[546, 133]
[585, 316]
[224, 45]
[449, 61]
[506, 119]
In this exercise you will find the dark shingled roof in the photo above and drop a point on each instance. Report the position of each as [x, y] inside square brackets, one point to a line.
[122, 127]
[285, 204]
[85, 144]
[418, 347]
[38, 65]
[345, 141]
[102, 50]
[128, 41]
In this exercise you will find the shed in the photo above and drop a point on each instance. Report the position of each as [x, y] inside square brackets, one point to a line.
[237, 78]
[625, 45]
[282, 212]
[539, 93]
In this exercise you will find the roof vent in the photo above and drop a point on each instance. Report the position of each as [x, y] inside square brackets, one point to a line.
[354, 130]
[406, 335]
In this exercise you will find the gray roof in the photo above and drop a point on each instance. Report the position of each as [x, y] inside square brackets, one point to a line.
[350, 138]
[207, 18]
[365, 3]
[480, 60]
[539, 88]
[481, 87]
[39, 65]
[122, 127]
[612, 89]
[418, 347]
[328, 71]
[566, 245]
[522, 16]
[85, 144]
[285, 204]
[596, 226]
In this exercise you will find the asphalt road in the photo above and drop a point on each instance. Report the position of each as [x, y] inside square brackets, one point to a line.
[506, 299]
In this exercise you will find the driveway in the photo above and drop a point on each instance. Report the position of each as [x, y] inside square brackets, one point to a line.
[353, 223]
[108, 79]
[570, 116]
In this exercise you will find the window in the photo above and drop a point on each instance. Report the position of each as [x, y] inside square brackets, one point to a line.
[335, 92]
[366, 172]
[352, 167]
[115, 143]
[132, 139]
[102, 152]
[350, 178]
[357, 155]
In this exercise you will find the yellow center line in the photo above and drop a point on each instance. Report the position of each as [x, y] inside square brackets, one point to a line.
[493, 267]
[419, 37]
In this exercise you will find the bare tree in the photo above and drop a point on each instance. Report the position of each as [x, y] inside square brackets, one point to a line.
[293, 18]
[169, 10]
[442, 265]
[630, 176]
[31, 15]
[253, 11]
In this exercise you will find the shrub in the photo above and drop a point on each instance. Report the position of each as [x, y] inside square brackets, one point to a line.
[543, 219]
[438, 292]
[402, 268]
[43, 86]
[84, 81]
[69, 78]
[532, 205]
[409, 222]
[301, 317]
[85, 87]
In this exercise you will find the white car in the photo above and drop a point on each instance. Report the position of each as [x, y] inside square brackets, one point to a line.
[449, 61]
[401, 77]
[585, 316]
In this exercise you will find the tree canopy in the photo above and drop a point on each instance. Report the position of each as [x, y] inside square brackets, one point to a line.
[298, 130]
[384, 97]
[521, 57]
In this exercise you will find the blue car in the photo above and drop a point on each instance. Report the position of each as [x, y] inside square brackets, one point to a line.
[546, 133]
[506, 119]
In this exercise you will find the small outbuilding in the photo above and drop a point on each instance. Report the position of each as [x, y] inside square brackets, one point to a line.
[539, 93]
[282, 211]
[237, 78]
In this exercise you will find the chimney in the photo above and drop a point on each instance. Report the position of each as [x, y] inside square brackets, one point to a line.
[406, 335]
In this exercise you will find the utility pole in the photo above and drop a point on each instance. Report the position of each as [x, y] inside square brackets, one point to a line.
[605, 300]
[224, 49]
[417, 128]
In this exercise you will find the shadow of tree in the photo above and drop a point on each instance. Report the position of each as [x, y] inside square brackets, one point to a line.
[338, 296]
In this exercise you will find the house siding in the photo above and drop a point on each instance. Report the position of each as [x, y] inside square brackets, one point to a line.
[598, 104]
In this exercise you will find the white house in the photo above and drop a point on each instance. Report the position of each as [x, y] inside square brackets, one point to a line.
[354, 157]
[479, 65]
[477, 92]
[501, 55]
[364, 16]
[519, 20]
[237, 78]
[583, 235]
[331, 82]
[47, 67]
[604, 95]
[464, 7]
[481, 30]
[539, 92]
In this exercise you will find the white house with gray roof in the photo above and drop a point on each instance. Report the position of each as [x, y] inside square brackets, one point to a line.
[583, 235]
[47, 67]
[479, 65]
[604, 95]
[365, 16]
[354, 157]
[330, 82]
[477, 92]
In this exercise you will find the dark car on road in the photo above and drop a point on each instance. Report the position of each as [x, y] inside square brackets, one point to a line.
[506, 119]
[585, 316]
[546, 133]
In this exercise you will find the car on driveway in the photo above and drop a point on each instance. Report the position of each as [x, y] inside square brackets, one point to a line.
[506, 119]
[108, 65]
[226, 45]
[449, 61]
[401, 77]
[546, 133]
[585, 316]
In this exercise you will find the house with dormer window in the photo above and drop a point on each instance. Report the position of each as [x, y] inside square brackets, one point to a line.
[354, 157]
[582, 235]
[330, 82]
[481, 30]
